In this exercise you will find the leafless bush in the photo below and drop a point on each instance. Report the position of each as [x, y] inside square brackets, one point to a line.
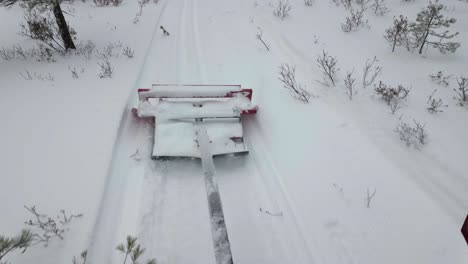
[108, 2]
[394, 106]
[49, 227]
[86, 49]
[435, 104]
[75, 72]
[347, 4]
[109, 50]
[412, 134]
[309, 2]
[363, 4]
[389, 94]
[369, 197]
[398, 33]
[260, 37]
[379, 7]
[44, 53]
[440, 78]
[288, 78]
[28, 76]
[106, 68]
[370, 72]
[354, 21]
[328, 65]
[283, 9]
[462, 90]
[83, 257]
[349, 82]
[40, 25]
[129, 52]
[12, 53]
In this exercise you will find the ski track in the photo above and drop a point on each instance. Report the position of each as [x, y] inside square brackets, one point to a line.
[172, 220]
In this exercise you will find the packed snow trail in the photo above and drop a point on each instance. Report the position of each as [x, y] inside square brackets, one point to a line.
[221, 245]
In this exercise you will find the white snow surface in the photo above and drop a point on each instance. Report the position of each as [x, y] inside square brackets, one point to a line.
[300, 194]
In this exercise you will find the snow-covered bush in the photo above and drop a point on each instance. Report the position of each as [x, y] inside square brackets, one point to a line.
[41, 28]
[415, 134]
[379, 7]
[287, 75]
[349, 83]
[354, 21]
[309, 2]
[28, 76]
[434, 105]
[86, 49]
[40, 25]
[106, 68]
[424, 30]
[462, 90]
[370, 72]
[282, 9]
[129, 52]
[329, 67]
[389, 94]
[440, 78]
[107, 2]
[399, 33]
[40, 53]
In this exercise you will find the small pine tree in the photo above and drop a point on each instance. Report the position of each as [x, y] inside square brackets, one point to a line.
[427, 22]
[22, 242]
[398, 34]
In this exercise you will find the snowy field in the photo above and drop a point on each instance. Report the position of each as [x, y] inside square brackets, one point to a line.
[300, 196]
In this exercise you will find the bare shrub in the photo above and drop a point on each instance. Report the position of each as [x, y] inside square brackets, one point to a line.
[349, 82]
[49, 227]
[347, 4]
[141, 4]
[379, 7]
[354, 21]
[440, 78]
[309, 2]
[369, 197]
[283, 9]
[412, 134]
[434, 105]
[86, 49]
[83, 257]
[129, 52]
[108, 2]
[260, 38]
[28, 76]
[40, 25]
[462, 90]
[328, 65]
[370, 72]
[389, 94]
[106, 68]
[75, 72]
[288, 78]
[363, 4]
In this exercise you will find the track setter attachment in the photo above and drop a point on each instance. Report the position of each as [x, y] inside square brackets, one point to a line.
[180, 111]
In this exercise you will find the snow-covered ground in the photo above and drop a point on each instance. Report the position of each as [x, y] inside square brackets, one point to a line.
[298, 197]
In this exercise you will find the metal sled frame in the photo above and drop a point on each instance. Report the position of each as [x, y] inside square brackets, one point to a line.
[182, 110]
